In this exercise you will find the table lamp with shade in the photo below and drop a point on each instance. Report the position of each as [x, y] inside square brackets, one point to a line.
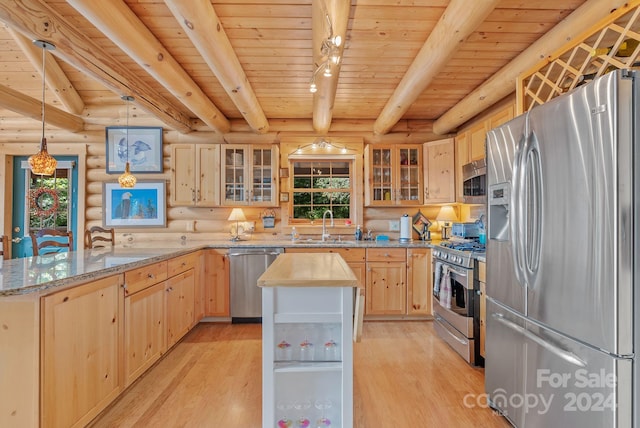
[446, 216]
[236, 215]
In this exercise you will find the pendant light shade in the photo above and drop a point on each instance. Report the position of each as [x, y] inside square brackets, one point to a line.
[127, 180]
[42, 163]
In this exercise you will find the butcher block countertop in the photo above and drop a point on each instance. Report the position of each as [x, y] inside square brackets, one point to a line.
[308, 270]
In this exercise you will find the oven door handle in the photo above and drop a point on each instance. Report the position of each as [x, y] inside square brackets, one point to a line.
[442, 320]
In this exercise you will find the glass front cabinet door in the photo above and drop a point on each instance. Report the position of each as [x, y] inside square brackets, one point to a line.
[249, 174]
[393, 175]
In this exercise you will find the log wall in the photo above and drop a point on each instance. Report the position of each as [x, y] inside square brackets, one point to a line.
[20, 136]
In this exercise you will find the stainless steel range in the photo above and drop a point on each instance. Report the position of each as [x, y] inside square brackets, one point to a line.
[456, 305]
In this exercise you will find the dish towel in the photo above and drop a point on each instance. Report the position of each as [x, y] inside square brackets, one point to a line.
[445, 288]
[436, 278]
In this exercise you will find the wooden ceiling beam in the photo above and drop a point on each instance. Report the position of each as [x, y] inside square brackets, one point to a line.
[458, 21]
[201, 24]
[574, 27]
[31, 107]
[56, 80]
[37, 20]
[323, 99]
[118, 22]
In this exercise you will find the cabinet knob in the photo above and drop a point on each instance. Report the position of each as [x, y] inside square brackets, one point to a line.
[150, 276]
[193, 195]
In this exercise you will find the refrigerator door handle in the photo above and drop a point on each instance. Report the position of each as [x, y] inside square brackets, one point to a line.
[515, 220]
[532, 212]
[569, 357]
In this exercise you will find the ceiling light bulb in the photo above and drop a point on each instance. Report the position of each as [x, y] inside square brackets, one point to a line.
[327, 71]
[344, 150]
[313, 88]
[337, 40]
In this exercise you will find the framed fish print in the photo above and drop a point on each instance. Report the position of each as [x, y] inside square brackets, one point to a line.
[141, 146]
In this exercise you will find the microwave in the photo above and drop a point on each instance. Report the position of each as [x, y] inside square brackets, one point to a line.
[474, 182]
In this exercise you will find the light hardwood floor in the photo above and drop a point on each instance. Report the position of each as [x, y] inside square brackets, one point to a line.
[404, 376]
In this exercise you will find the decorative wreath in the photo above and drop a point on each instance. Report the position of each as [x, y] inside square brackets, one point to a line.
[40, 203]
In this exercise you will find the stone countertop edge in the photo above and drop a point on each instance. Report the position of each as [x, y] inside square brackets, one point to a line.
[22, 276]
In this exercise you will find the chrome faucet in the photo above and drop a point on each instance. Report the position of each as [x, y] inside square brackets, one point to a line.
[325, 234]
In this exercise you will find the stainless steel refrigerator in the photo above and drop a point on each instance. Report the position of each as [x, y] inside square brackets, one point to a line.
[563, 260]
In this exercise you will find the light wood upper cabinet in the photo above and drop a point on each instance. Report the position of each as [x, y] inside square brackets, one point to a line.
[80, 355]
[249, 174]
[195, 175]
[393, 175]
[477, 135]
[439, 171]
[419, 278]
[501, 117]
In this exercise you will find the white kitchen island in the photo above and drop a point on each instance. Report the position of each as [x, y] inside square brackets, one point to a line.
[307, 348]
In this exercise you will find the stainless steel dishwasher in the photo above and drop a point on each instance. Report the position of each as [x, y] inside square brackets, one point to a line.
[246, 265]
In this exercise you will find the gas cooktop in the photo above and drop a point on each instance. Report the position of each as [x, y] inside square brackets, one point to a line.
[458, 251]
[464, 246]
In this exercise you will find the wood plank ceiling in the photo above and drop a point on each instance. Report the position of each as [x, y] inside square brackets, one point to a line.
[250, 67]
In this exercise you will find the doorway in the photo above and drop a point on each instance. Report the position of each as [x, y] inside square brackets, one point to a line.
[41, 202]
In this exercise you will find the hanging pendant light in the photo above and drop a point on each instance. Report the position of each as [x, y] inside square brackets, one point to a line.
[42, 163]
[127, 180]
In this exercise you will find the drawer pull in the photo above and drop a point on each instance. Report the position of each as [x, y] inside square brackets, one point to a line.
[151, 276]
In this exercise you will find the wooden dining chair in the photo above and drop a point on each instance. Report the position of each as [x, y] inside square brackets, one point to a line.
[97, 237]
[51, 241]
[5, 247]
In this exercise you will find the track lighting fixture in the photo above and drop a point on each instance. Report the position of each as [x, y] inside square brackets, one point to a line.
[330, 50]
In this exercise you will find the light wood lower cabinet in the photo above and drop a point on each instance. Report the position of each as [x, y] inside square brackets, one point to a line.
[419, 279]
[180, 290]
[80, 355]
[386, 281]
[145, 330]
[216, 283]
[159, 307]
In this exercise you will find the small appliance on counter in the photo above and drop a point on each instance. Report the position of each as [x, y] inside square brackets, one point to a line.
[405, 228]
[466, 230]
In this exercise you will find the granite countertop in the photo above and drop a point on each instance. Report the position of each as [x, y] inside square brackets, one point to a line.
[44, 273]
